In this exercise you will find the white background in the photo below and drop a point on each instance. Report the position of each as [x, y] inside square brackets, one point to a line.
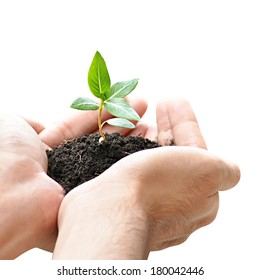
[205, 51]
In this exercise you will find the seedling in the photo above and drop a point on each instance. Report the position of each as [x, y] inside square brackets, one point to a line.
[111, 97]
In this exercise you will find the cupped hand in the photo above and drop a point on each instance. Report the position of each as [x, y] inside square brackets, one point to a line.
[29, 199]
[149, 200]
[179, 185]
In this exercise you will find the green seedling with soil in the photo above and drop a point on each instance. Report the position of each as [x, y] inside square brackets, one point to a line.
[112, 98]
[75, 162]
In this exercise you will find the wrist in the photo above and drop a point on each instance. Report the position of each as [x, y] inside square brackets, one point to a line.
[102, 221]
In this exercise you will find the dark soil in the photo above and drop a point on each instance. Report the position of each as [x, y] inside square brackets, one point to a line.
[84, 158]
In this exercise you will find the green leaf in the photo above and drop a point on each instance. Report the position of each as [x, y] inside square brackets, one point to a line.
[98, 76]
[120, 108]
[82, 103]
[122, 89]
[119, 122]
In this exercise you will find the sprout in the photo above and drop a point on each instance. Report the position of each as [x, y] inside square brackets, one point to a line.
[111, 97]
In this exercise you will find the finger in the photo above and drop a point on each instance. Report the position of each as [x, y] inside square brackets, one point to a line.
[140, 130]
[186, 129]
[74, 124]
[176, 118]
[215, 173]
[229, 175]
[78, 123]
[38, 127]
[165, 131]
[151, 133]
[206, 172]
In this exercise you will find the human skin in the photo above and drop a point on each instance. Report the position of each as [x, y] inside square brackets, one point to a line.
[29, 199]
[149, 200]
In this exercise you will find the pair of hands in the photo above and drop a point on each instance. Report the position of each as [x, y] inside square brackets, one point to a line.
[147, 201]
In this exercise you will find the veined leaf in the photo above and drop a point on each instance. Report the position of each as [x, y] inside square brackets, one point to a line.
[122, 89]
[98, 76]
[119, 122]
[83, 103]
[120, 108]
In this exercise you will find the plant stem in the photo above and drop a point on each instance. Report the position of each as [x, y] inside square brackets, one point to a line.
[99, 119]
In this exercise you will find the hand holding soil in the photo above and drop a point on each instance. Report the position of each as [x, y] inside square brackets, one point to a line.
[149, 200]
[29, 199]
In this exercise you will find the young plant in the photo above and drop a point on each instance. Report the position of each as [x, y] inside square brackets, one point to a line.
[111, 97]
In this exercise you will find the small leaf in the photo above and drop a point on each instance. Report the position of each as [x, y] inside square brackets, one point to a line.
[98, 76]
[119, 122]
[82, 103]
[118, 107]
[122, 89]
